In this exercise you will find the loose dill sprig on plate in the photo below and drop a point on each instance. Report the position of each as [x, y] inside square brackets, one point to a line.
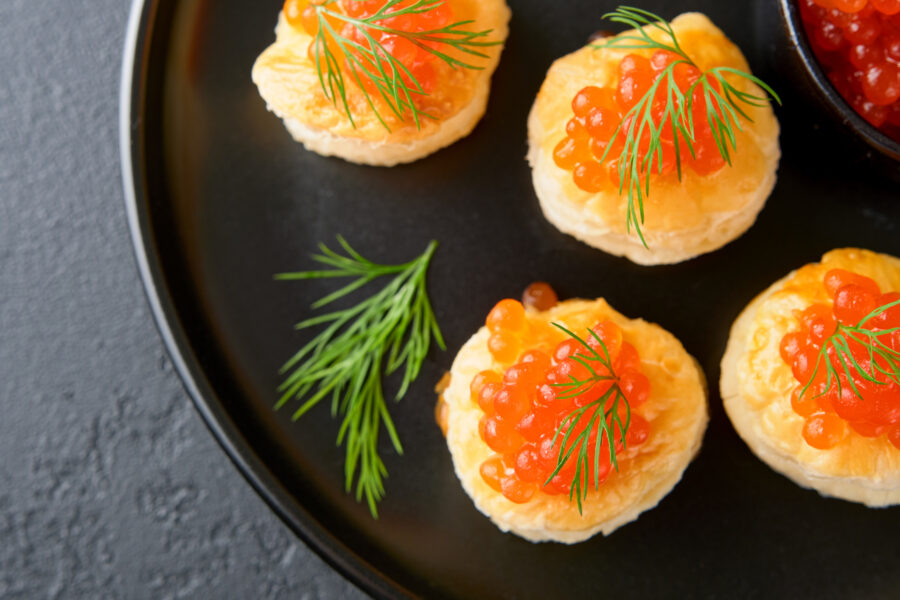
[371, 62]
[387, 331]
[601, 421]
[723, 107]
[889, 367]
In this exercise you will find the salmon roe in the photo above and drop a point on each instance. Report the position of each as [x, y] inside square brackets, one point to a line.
[539, 296]
[598, 111]
[301, 14]
[832, 411]
[857, 43]
[523, 410]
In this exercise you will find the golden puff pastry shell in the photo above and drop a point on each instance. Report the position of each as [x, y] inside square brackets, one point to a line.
[683, 219]
[676, 411]
[756, 387]
[288, 81]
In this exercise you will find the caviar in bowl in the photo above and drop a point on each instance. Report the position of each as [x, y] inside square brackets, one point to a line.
[850, 53]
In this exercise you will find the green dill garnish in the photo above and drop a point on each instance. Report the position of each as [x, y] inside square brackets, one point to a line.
[346, 361]
[601, 421]
[888, 366]
[371, 61]
[722, 110]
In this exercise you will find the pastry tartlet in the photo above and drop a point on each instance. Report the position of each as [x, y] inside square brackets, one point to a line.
[589, 92]
[501, 409]
[837, 433]
[452, 102]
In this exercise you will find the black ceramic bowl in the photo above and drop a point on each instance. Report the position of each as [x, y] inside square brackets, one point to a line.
[804, 65]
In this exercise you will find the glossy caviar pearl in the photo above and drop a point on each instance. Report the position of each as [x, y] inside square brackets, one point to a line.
[294, 14]
[894, 436]
[804, 364]
[636, 388]
[638, 431]
[576, 129]
[361, 8]
[863, 56]
[588, 98]
[861, 29]
[511, 403]
[601, 122]
[504, 347]
[824, 430]
[805, 404]
[491, 471]
[889, 318]
[486, 396]
[589, 176]
[507, 315]
[791, 345]
[707, 159]
[529, 371]
[890, 41]
[849, 406]
[536, 423]
[539, 360]
[628, 359]
[499, 435]
[850, 6]
[820, 322]
[886, 7]
[436, 18]
[517, 491]
[599, 147]
[539, 296]
[881, 83]
[867, 429]
[569, 152]
[482, 379]
[565, 349]
[611, 335]
[526, 464]
[852, 303]
[885, 404]
[662, 59]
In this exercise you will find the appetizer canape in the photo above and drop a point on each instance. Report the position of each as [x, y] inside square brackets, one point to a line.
[572, 419]
[656, 144]
[857, 43]
[811, 376]
[381, 82]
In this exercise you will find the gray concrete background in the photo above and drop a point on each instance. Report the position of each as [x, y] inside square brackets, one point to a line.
[110, 485]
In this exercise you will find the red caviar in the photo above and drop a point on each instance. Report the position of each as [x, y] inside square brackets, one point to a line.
[599, 111]
[539, 296]
[832, 411]
[857, 43]
[523, 410]
[301, 14]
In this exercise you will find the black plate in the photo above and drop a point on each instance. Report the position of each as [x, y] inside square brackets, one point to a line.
[220, 198]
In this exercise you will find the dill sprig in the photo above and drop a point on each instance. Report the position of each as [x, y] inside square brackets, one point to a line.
[346, 361]
[371, 61]
[723, 108]
[889, 365]
[601, 421]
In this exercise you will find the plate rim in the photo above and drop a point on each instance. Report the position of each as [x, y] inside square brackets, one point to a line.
[132, 124]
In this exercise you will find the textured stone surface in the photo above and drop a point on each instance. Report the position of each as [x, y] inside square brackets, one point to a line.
[110, 485]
